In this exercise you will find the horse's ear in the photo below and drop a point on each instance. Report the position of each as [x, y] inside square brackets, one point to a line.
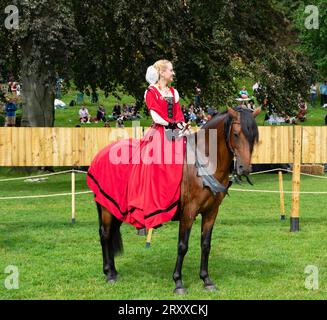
[232, 113]
[256, 112]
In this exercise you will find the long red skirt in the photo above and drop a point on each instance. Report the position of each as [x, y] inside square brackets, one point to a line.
[138, 181]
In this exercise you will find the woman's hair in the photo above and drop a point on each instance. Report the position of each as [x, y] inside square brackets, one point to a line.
[161, 65]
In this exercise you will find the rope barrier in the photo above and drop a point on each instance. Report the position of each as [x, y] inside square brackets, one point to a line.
[274, 191]
[45, 195]
[266, 171]
[43, 175]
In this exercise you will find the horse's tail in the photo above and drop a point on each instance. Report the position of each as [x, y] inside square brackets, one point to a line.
[115, 239]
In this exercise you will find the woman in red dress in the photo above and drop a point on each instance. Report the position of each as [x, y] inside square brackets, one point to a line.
[145, 190]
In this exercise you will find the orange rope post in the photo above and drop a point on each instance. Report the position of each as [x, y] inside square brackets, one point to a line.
[148, 238]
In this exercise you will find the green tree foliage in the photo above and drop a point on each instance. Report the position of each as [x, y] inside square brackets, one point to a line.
[109, 43]
[313, 42]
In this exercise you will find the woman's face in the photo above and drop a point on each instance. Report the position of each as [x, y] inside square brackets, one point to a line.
[168, 73]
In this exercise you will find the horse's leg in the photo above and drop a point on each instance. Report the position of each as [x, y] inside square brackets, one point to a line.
[185, 226]
[208, 220]
[110, 242]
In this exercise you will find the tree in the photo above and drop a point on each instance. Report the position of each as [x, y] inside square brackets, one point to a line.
[40, 48]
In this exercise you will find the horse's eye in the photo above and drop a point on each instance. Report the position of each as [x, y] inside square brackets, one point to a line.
[236, 135]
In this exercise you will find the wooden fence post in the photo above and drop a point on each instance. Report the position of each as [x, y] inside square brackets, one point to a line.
[295, 211]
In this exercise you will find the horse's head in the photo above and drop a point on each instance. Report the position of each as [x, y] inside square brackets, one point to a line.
[242, 135]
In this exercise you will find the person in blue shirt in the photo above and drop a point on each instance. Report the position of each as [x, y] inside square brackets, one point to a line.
[10, 113]
[323, 94]
[244, 93]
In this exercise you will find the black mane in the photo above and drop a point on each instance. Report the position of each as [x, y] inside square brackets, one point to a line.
[248, 125]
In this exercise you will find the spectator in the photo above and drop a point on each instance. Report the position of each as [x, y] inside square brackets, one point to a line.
[59, 104]
[244, 93]
[120, 122]
[313, 94]
[84, 115]
[18, 90]
[72, 103]
[13, 87]
[302, 110]
[211, 111]
[192, 115]
[101, 114]
[323, 94]
[251, 105]
[10, 109]
[185, 113]
[116, 112]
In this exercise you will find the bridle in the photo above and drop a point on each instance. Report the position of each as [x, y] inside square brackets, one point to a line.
[235, 176]
[230, 145]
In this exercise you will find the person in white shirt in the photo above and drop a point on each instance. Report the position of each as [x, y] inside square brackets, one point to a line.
[84, 115]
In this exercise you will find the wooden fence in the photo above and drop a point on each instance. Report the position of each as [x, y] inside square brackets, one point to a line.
[77, 146]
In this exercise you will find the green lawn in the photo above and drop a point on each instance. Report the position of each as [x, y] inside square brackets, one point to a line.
[254, 256]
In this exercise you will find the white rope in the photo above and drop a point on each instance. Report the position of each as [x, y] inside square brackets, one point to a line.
[310, 175]
[290, 171]
[273, 191]
[272, 170]
[45, 195]
[43, 175]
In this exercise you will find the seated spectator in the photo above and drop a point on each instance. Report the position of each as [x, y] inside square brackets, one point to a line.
[192, 115]
[59, 104]
[101, 114]
[251, 105]
[72, 103]
[302, 110]
[120, 122]
[116, 112]
[84, 115]
[185, 113]
[244, 93]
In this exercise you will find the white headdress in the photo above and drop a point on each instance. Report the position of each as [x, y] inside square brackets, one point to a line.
[152, 75]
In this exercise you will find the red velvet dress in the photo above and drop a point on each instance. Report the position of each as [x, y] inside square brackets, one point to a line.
[138, 181]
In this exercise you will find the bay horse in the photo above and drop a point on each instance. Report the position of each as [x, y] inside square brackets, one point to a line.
[237, 132]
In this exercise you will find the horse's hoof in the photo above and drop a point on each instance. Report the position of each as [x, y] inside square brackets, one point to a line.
[180, 291]
[112, 281]
[210, 287]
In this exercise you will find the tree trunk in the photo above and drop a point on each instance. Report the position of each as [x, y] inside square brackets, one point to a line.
[38, 91]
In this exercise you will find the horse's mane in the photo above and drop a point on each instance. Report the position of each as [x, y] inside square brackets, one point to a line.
[248, 125]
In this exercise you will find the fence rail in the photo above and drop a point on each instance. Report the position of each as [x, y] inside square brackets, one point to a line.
[78, 146]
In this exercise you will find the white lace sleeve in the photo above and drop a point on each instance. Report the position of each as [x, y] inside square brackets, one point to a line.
[176, 96]
[157, 119]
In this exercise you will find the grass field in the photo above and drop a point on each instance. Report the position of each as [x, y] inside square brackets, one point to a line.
[254, 256]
